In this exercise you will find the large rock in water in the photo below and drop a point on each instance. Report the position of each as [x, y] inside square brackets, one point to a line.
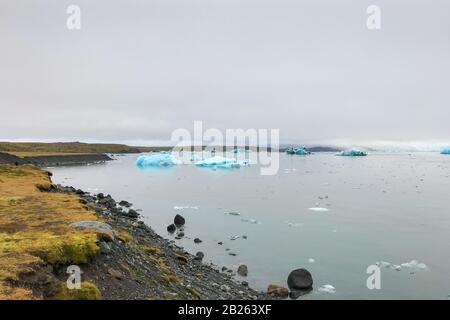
[300, 279]
[242, 270]
[171, 228]
[179, 221]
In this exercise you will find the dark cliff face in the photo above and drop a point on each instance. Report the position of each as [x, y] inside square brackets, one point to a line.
[6, 158]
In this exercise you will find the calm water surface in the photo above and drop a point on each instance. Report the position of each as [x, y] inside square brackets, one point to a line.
[384, 207]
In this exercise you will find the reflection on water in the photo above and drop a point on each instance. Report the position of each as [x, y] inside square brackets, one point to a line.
[384, 207]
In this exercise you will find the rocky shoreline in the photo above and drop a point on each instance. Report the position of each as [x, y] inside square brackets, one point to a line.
[137, 263]
[54, 160]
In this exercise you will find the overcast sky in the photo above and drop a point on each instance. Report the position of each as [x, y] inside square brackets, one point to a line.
[137, 70]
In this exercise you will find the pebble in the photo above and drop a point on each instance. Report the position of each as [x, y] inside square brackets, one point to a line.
[225, 288]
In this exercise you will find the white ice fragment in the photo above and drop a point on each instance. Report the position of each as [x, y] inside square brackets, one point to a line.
[328, 288]
[234, 237]
[318, 209]
[415, 265]
[311, 260]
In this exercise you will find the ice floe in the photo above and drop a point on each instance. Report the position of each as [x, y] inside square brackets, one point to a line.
[446, 151]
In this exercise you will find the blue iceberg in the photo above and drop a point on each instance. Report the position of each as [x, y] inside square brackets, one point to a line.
[446, 151]
[298, 151]
[162, 159]
[221, 162]
[352, 153]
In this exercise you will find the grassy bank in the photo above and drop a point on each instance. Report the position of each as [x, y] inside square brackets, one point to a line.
[29, 149]
[34, 228]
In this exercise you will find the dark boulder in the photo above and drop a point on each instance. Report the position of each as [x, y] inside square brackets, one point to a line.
[131, 214]
[199, 256]
[242, 270]
[108, 202]
[171, 228]
[300, 279]
[179, 220]
[124, 203]
[197, 240]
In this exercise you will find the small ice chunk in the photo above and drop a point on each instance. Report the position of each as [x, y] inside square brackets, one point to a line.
[415, 265]
[328, 288]
[234, 237]
[311, 260]
[178, 208]
[318, 209]
[233, 213]
[352, 153]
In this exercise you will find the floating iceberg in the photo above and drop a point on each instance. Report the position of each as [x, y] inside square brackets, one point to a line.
[446, 151]
[222, 162]
[157, 160]
[352, 153]
[298, 151]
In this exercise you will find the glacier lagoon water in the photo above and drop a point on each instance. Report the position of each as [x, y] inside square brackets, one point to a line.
[384, 207]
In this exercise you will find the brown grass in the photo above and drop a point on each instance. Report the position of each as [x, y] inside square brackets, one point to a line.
[26, 154]
[34, 227]
[36, 148]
